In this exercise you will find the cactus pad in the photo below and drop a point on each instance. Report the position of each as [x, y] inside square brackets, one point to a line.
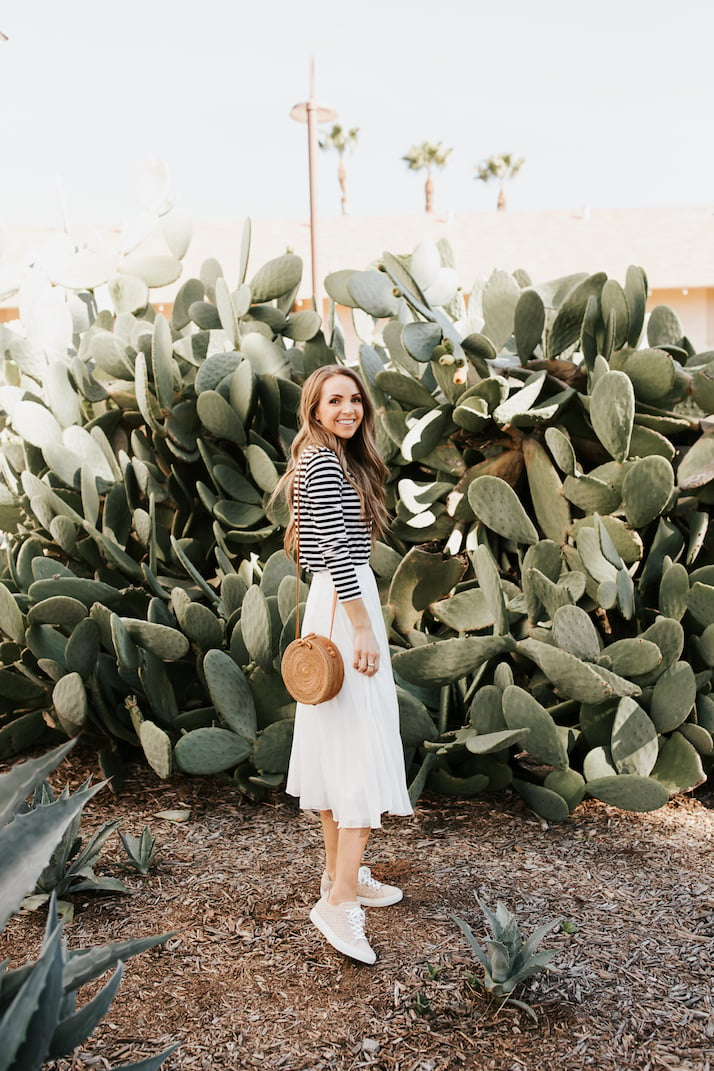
[210, 750]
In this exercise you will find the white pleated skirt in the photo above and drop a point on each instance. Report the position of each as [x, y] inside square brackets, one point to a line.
[347, 753]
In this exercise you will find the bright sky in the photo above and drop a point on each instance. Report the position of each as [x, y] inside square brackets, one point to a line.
[611, 103]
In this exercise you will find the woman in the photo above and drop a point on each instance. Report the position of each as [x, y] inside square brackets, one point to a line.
[347, 760]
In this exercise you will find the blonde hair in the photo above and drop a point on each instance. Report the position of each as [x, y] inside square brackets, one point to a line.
[359, 457]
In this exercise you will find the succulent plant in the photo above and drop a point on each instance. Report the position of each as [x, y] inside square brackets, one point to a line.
[550, 491]
[39, 1019]
[71, 866]
[142, 851]
[508, 959]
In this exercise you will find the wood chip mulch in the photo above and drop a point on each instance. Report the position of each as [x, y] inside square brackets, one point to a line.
[247, 982]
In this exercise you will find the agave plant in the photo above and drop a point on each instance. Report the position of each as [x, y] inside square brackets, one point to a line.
[71, 866]
[508, 959]
[39, 1019]
[142, 851]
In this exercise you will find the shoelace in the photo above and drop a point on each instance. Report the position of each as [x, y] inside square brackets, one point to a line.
[355, 917]
[364, 877]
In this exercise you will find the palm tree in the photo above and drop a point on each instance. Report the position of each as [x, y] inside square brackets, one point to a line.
[340, 140]
[503, 166]
[425, 157]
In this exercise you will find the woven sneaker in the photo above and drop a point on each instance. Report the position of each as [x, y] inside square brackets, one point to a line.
[370, 892]
[343, 926]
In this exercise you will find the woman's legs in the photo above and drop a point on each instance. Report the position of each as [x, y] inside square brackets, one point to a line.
[344, 849]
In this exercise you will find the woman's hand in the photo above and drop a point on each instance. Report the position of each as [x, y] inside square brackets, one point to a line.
[366, 648]
[366, 651]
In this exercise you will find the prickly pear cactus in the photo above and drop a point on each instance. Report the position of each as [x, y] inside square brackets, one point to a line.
[556, 442]
[547, 577]
[138, 457]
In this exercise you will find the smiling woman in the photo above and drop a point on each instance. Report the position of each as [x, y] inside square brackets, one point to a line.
[347, 761]
[340, 409]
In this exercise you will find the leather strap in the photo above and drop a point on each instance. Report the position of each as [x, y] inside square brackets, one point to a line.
[296, 487]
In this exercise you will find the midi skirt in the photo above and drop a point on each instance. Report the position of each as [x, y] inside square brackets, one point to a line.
[347, 754]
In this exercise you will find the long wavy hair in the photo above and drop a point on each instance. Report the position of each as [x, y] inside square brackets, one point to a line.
[359, 457]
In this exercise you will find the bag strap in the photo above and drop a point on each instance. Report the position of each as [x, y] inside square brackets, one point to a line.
[296, 487]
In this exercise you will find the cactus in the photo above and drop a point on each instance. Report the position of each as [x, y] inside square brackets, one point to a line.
[497, 505]
[630, 792]
[700, 603]
[272, 749]
[678, 767]
[549, 504]
[528, 323]
[201, 626]
[546, 802]
[673, 697]
[415, 723]
[486, 710]
[574, 678]
[566, 783]
[573, 631]
[488, 743]
[632, 656]
[156, 745]
[447, 784]
[634, 746]
[445, 661]
[137, 468]
[543, 741]
[646, 490]
[230, 693]
[256, 627]
[70, 702]
[162, 640]
[210, 750]
[612, 413]
[12, 623]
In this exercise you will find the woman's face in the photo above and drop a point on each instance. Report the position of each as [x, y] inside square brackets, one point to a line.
[340, 408]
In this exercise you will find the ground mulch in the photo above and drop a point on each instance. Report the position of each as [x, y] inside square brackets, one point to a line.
[247, 982]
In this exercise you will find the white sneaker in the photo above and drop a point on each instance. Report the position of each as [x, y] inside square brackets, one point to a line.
[343, 926]
[370, 892]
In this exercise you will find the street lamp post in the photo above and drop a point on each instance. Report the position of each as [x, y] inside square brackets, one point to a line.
[311, 113]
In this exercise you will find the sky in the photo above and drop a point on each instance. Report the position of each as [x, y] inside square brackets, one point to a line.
[611, 103]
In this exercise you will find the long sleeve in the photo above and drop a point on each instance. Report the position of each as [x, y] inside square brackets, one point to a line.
[333, 535]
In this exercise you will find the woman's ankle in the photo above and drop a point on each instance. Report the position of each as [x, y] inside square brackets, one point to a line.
[337, 897]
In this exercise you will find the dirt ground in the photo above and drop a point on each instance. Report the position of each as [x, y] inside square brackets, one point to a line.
[247, 982]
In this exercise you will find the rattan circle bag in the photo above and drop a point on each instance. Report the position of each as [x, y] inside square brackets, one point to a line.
[311, 667]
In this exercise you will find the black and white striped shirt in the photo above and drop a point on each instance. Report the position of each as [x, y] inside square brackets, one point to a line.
[333, 534]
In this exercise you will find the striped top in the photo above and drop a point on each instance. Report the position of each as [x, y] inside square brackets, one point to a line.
[333, 535]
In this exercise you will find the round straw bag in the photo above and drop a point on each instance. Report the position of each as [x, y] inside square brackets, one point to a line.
[312, 669]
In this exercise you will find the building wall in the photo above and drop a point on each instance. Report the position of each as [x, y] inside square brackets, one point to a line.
[695, 308]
